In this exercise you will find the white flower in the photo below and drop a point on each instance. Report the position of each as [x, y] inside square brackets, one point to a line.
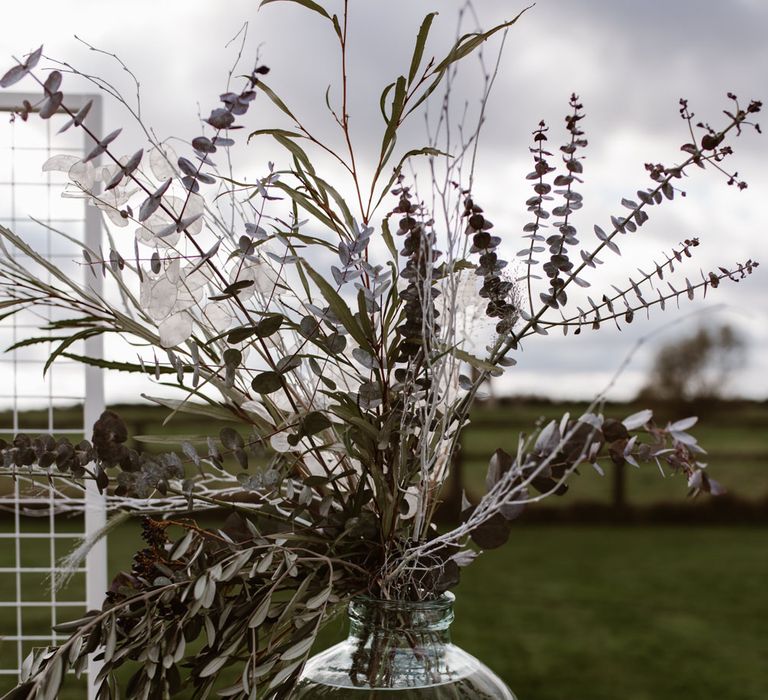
[161, 162]
[217, 316]
[175, 329]
[168, 297]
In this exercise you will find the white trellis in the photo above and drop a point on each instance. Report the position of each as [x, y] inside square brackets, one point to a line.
[31, 547]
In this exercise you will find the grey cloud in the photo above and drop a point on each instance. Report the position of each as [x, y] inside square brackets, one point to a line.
[629, 60]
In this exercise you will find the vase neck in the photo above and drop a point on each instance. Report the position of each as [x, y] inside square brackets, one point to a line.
[404, 624]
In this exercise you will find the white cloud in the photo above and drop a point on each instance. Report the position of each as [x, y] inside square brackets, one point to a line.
[629, 61]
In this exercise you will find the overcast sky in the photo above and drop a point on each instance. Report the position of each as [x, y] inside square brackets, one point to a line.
[629, 60]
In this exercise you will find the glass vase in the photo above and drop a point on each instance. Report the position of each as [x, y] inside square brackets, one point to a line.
[403, 650]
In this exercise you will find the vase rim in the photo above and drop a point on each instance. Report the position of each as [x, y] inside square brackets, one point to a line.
[443, 602]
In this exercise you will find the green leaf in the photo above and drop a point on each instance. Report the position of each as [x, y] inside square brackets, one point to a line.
[315, 422]
[260, 614]
[120, 366]
[463, 47]
[82, 335]
[469, 42]
[34, 341]
[309, 4]
[393, 122]
[343, 206]
[230, 438]
[270, 325]
[272, 132]
[338, 306]
[298, 650]
[305, 203]
[273, 96]
[296, 150]
[196, 409]
[418, 49]
[267, 383]
[383, 101]
[476, 362]
[169, 439]
[387, 236]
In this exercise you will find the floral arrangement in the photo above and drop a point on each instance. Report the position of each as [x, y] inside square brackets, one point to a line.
[330, 336]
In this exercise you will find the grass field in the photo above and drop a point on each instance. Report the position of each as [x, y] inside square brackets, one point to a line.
[598, 613]
[574, 612]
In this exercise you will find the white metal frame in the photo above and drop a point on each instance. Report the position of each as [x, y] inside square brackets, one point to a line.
[93, 504]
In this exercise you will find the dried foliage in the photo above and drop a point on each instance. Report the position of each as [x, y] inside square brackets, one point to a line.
[343, 386]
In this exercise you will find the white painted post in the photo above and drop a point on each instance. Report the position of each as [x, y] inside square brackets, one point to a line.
[93, 404]
[95, 506]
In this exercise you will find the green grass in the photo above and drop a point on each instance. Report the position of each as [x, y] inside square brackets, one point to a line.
[589, 613]
[573, 613]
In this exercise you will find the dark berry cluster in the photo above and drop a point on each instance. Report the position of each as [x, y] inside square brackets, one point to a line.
[420, 315]
[496, 289]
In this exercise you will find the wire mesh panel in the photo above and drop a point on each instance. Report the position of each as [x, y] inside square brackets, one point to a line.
[42, 518]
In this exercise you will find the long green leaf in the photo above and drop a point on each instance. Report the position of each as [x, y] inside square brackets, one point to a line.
[272, 132]
[305, 203]
[196, 409]
[338, 306]
[309, 4]
[296, 150]
[398, 105]
[418, 50]
[35, 341]
[275, 99]
[388, 239]
[476, 362]
[463, 47]
[119, 366]
[345, 211]
[82, 335]
[469, 42]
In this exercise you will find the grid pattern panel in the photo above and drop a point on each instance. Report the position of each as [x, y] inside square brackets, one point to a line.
[34, 531]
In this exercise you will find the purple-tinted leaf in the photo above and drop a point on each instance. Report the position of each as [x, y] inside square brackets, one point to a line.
[78, 119]
[133, 162]
[223, 142]
[205, 159]
[206, 178]
[221, 118]
[51, 105]
[152, 202]
[33, 59]
[187, 167]
[52, 82]
[154, 262]
[83, 113]
[602, 235]
[493, 533]
[190, 183]
[203, 144]
[102, 145]
[613, 247]
[115, 181]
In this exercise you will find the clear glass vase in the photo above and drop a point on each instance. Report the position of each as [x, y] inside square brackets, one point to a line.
[399, 649]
